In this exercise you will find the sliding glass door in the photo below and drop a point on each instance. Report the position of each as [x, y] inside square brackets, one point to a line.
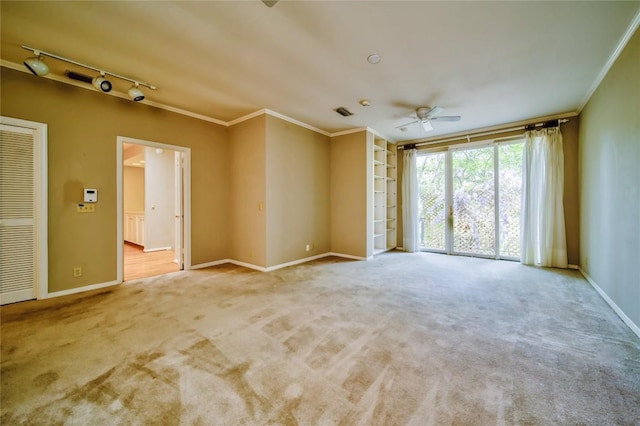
[470, 200]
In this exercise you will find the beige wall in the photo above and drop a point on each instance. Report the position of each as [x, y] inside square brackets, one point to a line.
[610, 183]
[571, 189]
[133, 189]
[248, 192]
[82, 129]
[298, 197]
[349, 200]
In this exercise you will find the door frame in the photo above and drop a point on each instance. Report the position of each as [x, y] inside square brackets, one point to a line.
[41, 188]
[178, 208]
[186, 194]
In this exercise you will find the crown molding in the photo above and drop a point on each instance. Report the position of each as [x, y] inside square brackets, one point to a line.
[350, 131]
[380, 135]
[297, 122]
[624, 40]
[245, 117]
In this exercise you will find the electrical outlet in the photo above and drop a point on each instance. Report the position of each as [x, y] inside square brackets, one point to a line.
[309, 247]
[77, 271]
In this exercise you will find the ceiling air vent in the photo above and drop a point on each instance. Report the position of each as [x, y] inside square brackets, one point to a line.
[343, 111]
[77, 76]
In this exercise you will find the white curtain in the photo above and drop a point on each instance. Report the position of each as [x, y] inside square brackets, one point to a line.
[543, 227]
[410, 240]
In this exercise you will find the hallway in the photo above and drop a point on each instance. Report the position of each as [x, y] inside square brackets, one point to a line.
[138, 264]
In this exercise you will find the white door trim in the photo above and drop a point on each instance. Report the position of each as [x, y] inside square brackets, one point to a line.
[121, 140]
[41, 200]
[178, 209]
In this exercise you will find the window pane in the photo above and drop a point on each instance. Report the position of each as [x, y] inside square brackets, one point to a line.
[473, 201]
[431, 181]
[510, 175]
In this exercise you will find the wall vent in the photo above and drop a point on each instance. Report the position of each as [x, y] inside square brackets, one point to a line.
[343, 111]
[77, 76]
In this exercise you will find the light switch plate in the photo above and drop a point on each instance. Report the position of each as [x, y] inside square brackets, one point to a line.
[86, 208]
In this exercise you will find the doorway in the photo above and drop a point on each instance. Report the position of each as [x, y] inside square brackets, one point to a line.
[470, 200]
[153, 208]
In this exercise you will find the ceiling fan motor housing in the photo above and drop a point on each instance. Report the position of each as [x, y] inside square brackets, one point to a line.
[423, 112]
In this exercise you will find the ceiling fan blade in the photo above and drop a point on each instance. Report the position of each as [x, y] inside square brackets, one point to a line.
[446, 118]
[434, 111]
[269, 3]
[408, 124]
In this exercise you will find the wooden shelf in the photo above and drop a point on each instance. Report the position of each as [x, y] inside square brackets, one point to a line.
[384, 168]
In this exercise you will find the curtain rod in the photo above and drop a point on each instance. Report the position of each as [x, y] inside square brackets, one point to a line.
[527, 127]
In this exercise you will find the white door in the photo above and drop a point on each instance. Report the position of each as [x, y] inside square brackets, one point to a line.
[23, 239]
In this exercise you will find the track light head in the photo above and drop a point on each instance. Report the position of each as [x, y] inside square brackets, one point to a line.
[135, 93]
[101, 83]
[36, 65]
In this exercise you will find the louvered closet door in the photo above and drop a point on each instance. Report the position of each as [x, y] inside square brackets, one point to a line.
[17, 217]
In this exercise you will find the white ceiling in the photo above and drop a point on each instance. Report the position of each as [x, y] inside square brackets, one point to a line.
[490, 62]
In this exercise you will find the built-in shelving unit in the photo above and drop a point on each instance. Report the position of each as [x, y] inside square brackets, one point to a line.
[384, 195]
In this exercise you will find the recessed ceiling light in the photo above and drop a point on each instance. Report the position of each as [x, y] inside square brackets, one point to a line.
[365, 102]
[374, 58]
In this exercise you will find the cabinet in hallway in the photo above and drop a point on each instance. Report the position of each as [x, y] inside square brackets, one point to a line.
[134, 228]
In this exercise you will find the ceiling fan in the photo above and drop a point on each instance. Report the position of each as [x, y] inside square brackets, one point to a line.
[425, 115]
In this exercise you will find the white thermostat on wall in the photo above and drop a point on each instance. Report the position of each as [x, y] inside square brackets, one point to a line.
[90, 195]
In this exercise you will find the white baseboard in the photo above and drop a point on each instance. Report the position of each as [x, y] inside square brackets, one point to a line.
[611, 303]
[275, 267]
[81, 289]
[247, 265]
[349, 256]
[297, 262]
[209, 264]
[146, 250]
[231, 261]
[570, 266]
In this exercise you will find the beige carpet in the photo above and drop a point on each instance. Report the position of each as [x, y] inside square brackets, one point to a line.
[403, 339]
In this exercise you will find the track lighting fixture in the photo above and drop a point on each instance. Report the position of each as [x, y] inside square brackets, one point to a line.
[101, 83]
[40, 68]
[135, 93]
[36, 65]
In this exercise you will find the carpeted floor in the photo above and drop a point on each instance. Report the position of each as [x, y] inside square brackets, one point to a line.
[420, 339]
